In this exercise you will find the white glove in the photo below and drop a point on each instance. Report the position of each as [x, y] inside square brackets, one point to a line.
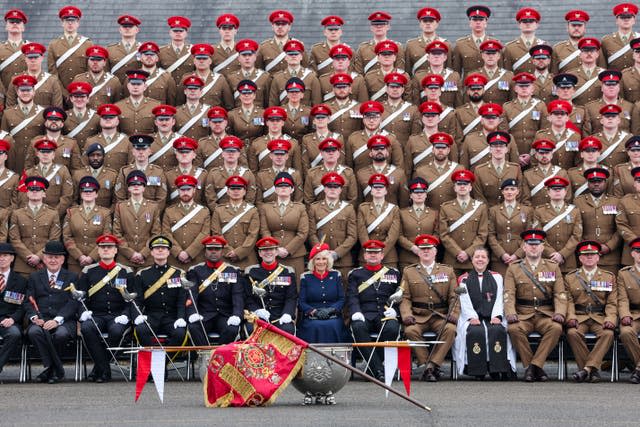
[121, 320]
[233, 321]
[357, 316]
[390, 312]
[285, 318]
[86, 315]
[263, 314]
[180, 323]
[258, 291]
[195, 317]
[140, 319]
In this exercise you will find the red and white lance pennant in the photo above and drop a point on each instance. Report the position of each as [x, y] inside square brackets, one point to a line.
[398, 358]
[150, 361]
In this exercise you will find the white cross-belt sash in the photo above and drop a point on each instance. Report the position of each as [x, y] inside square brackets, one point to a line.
[379, 93]
[566, 61]
[315, 162]
[224, 189]
[113, 144]
[283, 94]
[475, 159]
[212, 157]
[624, 49]
[320, 188]
[445, 113]
[465, 217]
[359, 151]
[581, 189]
[558, 218]
[153, 79]
[275, 61]
[76, 130]
[560, 144]
[4, 64]
[524, 58]
[419, 62]
[269, 191]
[236, 218]
[523, 113]
[194, 119]
[395, 114]
[331, 215]
[236, 94]
[71, 51]
[380, 218]
[539, 186]
[10, 173]
[208, 87]
[264, 153]
[185, 219]
[585, 87]
[367, 189]
[338, 113]
[124, 61]
[226, 62]
[23, 124]
[417, 159]
[175, 192]
[164, 149]
[45, 77]
[490, 83]
[471, 125]
[442, 177]
[96, 89]
[180, 61]
[53, 173]
[370, 64]
[325, 63]
[612, 147]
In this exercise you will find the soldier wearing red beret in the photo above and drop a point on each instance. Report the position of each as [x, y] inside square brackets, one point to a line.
[416, 55]
[366, 58]
[248, 71]
[499, 86]
[566, 52]
[271, 54]
[215, 89]
[175, 57]
[588, 87]
[294, 67]
[615, 46]
[225, 56]
[466, 54]
[516, 56]
[67, 152]
[320, 59]
[123, 54]
[257, 154]
[160, 85]
[15, 23]
[450, 91]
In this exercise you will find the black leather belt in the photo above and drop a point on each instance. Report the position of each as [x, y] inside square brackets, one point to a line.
[534, 302]
[588, 309]
[634, 306]
[429, 305]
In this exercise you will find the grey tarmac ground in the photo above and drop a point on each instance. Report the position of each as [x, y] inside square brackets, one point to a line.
[453, 403]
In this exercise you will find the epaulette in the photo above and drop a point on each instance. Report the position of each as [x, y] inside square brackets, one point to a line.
[352, 270]
[463, 38]
[113, 44]
[143, 269]
[549, 260]
[197, 265]
[86, 268]
[627, 268]
[126, 268]
[317, 44]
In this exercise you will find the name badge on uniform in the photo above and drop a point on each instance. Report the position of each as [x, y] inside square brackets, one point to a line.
[389, 278]
[535, 115]
[107, 184]
[610, 209]
[97, 219]
[599, 285]
[66, 152]
[258, 121]
[174, 282]
[547, 276]
[571, 146]
[282, 281]
[354, 114]
[503, 85]
[439, 278]
[13, 297]
[154, 181]
[147, 217]
[578, 118]
[120, 283]
[58, 180]
[58, 284]
[230, 277]
[204, 122]
[304, 120]
[568, 219]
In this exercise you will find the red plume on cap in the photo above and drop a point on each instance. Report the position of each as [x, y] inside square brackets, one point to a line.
[22, 187]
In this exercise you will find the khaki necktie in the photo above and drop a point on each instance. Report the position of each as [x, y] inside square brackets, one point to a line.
[70, 40]
[136, 206]
[177, 51]
[588, 73]
[478, 42]
[192, 108]
[25, 110]
[527, 43]
[294, 112]
[127, 47]
[378, 209]
[463, 205]
[624, 39]
[418, 212]
[499, 170]
[87, 210]
[136, 104]
[509, 210]
[283, 207]
[35, 210]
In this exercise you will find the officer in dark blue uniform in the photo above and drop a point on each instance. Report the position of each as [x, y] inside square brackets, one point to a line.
[275, 296]
[102, 282]
[13, 291]
[369, 290]
[161, 297]
[219, 295]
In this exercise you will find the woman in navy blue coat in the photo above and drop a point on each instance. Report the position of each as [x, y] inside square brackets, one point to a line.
[321, 300]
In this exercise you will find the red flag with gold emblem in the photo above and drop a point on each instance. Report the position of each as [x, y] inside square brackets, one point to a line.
[253, 372]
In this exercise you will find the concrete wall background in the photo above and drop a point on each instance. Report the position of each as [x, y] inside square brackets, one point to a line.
[99, 18]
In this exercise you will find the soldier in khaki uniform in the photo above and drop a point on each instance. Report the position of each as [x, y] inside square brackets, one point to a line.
[333, 220]
[65, 57]
[15, 23]
[535, 300]
[499, 86]
[341, 55]
[160, 84]
[437, 172]
[415, 220]
[462, 223]
[400, 117]
[294, 50]
[475, 147]
[208, 153]
[588, 87]
[155, 180]
[48, 90]
[225, 58]
[524, 115]
[615, 48]
[8, 179]
[67, 151]
[515, 56]
[123, 55]
[247, 50]
[418, 150]
[185, 154]
[415, 58]
[320, 59]
[135, 221]
[163, 140]
[239, 222]
[630, 81]
[186, 223]
[565, 137]
[265, 190]
[23, 121]
[95, 168]
[429, 303]
[622, 180]
[115, 144]
[136, 110]
[346, 117]
[59, 192]
[451, 89]
[592, 307]
[257, 154]
[379, 220]
[562, 222]
[215, 191]
[543, 87]
[378, 152]
[566, 53]
[612, 136]
[330, 154]
[106, 87]
[506, 221]
[366, 58]
[565, 85]
[375, 80]
[82, 122]
[628, 286]
[466, 53]
[175, 57]
[467, 114]
[490, 174]
[247, 120]
[298, 114]
[32, 226]
[598, 211]
[590, 149]
[627, 220]
[287, 221]
[310, 150]
[610, 80]
[215, 89]
[83, 223]
[270, 54]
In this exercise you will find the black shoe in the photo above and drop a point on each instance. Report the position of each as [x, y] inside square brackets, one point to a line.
[580, 376]
[495, 376]
[530, 374]
[56, 379]
[508, 376]
[594, 376]
[380, 375]
[541, 375]
[429, 376]
[635, 377]
[44, 376]
[480, 377]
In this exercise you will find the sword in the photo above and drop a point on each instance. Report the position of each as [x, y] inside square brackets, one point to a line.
[393, 298]
[188, 284]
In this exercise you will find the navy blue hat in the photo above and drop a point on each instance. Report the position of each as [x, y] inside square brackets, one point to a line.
[136, 177]
[36, 183]
[283, 179]
[141, 141]
[96, 146]
[565, 80]
[295, 84]
[418, 185]
[632, 143]
[247, 86]
[7, 248]
[54, 113]
[88, 184]
[54, 247]
[509, 183]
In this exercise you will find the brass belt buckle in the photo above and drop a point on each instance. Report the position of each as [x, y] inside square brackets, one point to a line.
[535, 303]
[430, 305]
[588, 309]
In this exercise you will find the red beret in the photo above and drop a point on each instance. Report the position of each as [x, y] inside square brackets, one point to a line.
[274, 113]
[202, 49]
[236, 181]
[625, 9]
[386, 46]
[371, 107]
[247, 45]
[430, 107]
[231, 141]
[329, 143]
[149, 47]
[475, 79]
[463, 175]
[293, 46]
[16, 14]
[340, 79]
[524, 78]
[373, 246]
[576, 16]
[193, 81]
[214, 242]
[490, 109]
[217, 112]
[396, 79]
[45, 144]
[491, 46]
[610, 109]
[378, 179]
[590, 142]
[185, 181]
[498, 137]
[5, 145]
[426, 241]
[543, 145]
[24, 80]
[332, 21]
[107, 240]
[33, 49]
[527, 13]
[379, 16]
[436, 46]
[316, 249]
[432, 80]
[559, 105]
[556, 181]
[320, 109]
[429, 12]
[341, 50]
[96, 51]
[378, 141]
[589, 42]
[441, 138]
[128, 20]
[279, 145]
